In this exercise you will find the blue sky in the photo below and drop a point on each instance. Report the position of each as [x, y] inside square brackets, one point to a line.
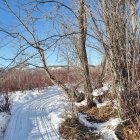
[9, 46]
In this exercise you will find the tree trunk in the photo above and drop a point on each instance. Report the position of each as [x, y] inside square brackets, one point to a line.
[81, 50]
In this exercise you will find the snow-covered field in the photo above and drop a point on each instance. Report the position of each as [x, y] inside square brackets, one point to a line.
[36, 115]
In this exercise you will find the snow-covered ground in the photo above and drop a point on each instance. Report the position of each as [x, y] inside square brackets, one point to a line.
[36, 115]
[16, 100]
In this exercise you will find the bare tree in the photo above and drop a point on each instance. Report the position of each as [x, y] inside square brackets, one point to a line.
[81, 50]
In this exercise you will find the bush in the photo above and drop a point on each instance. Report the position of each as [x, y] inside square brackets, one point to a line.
[27, 79]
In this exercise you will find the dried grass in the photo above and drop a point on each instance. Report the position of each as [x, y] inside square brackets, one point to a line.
[127, 131]
[71, 129]
[101, 114]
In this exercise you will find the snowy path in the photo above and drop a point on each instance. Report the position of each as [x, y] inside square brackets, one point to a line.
[33, 120]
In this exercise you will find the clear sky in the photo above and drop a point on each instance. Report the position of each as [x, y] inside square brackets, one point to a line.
[8, 46]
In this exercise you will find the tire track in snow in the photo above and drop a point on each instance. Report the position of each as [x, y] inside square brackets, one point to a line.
[30, 121]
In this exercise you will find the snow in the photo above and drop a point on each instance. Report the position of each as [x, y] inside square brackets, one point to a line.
[36, 115]
[106, 128]
[4, 118]
[18, 98]
[100, 91]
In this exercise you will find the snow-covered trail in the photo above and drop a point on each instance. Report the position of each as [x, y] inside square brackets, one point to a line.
[33, 120]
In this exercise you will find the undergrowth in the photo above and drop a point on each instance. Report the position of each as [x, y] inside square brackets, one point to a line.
[71, 129]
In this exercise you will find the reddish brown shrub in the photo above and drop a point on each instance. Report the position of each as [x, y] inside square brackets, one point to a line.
[23, 79]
